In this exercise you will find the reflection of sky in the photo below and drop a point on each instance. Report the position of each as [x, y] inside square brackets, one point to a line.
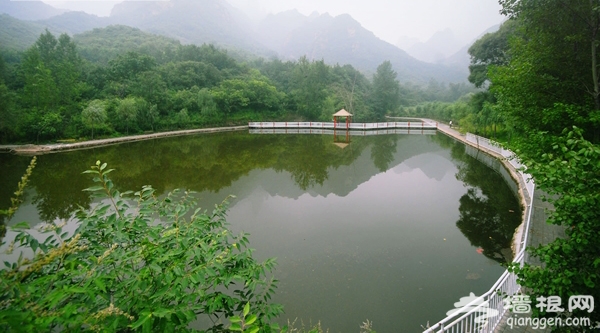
[365, 243]
[396, 229]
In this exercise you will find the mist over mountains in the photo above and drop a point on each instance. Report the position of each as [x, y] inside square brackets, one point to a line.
[287, 35]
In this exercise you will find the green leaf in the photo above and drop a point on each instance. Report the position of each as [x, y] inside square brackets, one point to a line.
[161, 313]
[21, 225]
[251, 319]
[246, 309]
[34, 244]
[235, 327]
[144, 317]
[100, 284]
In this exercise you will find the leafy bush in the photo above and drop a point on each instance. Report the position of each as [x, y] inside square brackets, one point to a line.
[136, 263]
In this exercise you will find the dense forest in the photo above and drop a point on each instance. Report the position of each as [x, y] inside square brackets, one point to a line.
[541, 98]
[119, 80]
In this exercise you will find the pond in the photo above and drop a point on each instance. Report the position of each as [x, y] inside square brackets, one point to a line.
[390, 228]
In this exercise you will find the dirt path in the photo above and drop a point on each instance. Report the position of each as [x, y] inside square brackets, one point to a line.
[49, 148]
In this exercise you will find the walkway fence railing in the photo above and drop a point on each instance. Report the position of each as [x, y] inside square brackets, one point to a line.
[484, 313]
[343, 125]
[509, 155]
[423, 131]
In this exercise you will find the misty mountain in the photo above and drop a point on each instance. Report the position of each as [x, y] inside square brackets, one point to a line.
[344, 40]
[405, 42]
[75, 22]
[440, 46]
[29, 10]
[290, 35]
[19, 34]
[191, 22]
[462, 58]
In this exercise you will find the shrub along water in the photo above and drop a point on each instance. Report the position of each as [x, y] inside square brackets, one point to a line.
[136, 263]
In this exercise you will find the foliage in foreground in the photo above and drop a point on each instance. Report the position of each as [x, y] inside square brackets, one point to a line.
[568, 171]
[136, 263]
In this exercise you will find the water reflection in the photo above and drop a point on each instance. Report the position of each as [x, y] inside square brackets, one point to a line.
[489, 214]
[368, 231]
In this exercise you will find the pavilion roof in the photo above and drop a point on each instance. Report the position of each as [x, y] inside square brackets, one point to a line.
[342, 113]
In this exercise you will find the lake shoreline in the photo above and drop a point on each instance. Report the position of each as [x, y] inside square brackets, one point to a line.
[31, 149]
[447, 130]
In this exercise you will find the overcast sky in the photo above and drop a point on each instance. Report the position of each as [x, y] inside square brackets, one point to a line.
[388, 19]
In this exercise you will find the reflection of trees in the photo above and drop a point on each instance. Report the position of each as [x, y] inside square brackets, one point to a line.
[490, 211]
[307, 158]
[211, 162]
[58, 186]
[383, 150]
[206, 162]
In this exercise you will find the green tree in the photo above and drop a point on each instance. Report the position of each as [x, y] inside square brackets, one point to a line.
[386, 90]
[185, 74]
[150, 86]
[310, 80]
[208, 106]
[8, 114]
[551, 81]
[40, 90]
[126, 67]
[253, 93]
[127, 111]
[94, 115]
[147, 114]
[350, 89]
[67, 70]
[567, 171]
[491, 49]
[52, 72]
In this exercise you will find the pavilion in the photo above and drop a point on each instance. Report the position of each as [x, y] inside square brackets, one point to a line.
[342, 114]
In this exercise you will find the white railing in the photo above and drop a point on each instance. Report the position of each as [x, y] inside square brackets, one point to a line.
[340, 131]
[507, 154]
[483, 314]
[343, 125]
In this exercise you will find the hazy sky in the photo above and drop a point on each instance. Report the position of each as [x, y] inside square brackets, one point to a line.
[388, 19]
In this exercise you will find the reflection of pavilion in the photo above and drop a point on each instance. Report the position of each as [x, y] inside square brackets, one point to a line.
[342, 114]
[338, 140]
[341, 139]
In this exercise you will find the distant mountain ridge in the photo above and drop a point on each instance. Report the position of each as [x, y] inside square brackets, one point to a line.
[29, 10]
[191, 22]
[288, 35]
[440, 46]
[344, 40]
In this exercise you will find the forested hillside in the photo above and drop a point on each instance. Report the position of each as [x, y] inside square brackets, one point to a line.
[17, 35]
[119, 80]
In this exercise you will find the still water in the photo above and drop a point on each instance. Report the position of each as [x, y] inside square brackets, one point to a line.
[390, 228]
